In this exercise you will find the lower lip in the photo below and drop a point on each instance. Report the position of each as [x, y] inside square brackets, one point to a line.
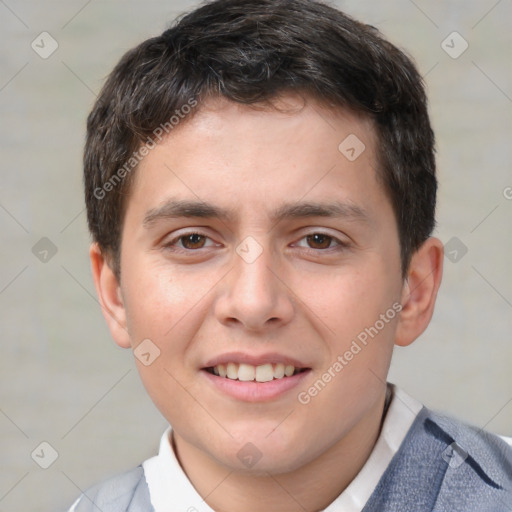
[255, 391]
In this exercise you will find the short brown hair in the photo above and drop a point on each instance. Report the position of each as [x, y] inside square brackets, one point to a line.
[250, 51]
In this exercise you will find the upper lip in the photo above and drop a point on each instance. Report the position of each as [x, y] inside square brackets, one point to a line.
[254, 360]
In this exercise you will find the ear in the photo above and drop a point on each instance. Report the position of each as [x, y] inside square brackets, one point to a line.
[420, 291]
[109, 295]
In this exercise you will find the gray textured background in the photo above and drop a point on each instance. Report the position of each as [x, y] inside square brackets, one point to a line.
[63, 381]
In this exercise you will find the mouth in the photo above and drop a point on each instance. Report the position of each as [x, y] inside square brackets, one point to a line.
[255, 378]
[244, 372]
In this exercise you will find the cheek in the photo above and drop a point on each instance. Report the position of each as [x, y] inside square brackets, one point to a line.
[358, 329]
[166, 308]
[156, 302]
[160, 309]
[348, 301]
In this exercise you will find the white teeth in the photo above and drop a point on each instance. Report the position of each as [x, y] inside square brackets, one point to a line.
[247, 372]
[264, 373]
[232, 371]
[279, 371]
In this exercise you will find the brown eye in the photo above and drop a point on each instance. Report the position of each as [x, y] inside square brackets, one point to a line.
[320, 240]
[188, 243]
[193, 241]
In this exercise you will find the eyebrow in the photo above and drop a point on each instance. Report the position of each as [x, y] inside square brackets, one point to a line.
[177, 208]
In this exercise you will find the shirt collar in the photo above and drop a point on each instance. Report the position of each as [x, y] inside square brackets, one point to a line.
[401, 414]
[170, 489]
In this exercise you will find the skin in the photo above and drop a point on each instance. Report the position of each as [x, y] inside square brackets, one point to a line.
[301, 297]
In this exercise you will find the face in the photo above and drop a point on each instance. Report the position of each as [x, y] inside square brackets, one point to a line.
[254, 244]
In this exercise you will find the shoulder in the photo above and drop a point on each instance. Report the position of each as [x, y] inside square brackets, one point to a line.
[472, 467]
[445, 465]
[488, 454]
[127, 492]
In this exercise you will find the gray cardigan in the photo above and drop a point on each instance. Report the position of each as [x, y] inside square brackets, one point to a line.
[442, 465]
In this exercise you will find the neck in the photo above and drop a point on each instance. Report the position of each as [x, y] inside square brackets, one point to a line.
[310, 488]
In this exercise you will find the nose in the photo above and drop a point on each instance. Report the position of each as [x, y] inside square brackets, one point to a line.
[254, 295]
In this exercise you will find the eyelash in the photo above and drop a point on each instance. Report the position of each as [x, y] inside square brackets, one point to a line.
[171, 244]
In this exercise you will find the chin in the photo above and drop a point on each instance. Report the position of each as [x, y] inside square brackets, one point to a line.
[261, 455]
[268, 465]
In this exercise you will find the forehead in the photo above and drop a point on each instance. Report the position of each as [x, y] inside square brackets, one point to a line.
[241, 155]
[313, 119]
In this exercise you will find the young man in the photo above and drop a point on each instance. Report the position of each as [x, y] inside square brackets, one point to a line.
[260, 186]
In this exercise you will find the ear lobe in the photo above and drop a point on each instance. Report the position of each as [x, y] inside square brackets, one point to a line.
[420, 291]
[109, 295]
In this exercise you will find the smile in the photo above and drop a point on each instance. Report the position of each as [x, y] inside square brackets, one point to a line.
[246, 372]
[254, 379]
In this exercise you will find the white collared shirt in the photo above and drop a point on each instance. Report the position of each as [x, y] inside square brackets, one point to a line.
[170, 489]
